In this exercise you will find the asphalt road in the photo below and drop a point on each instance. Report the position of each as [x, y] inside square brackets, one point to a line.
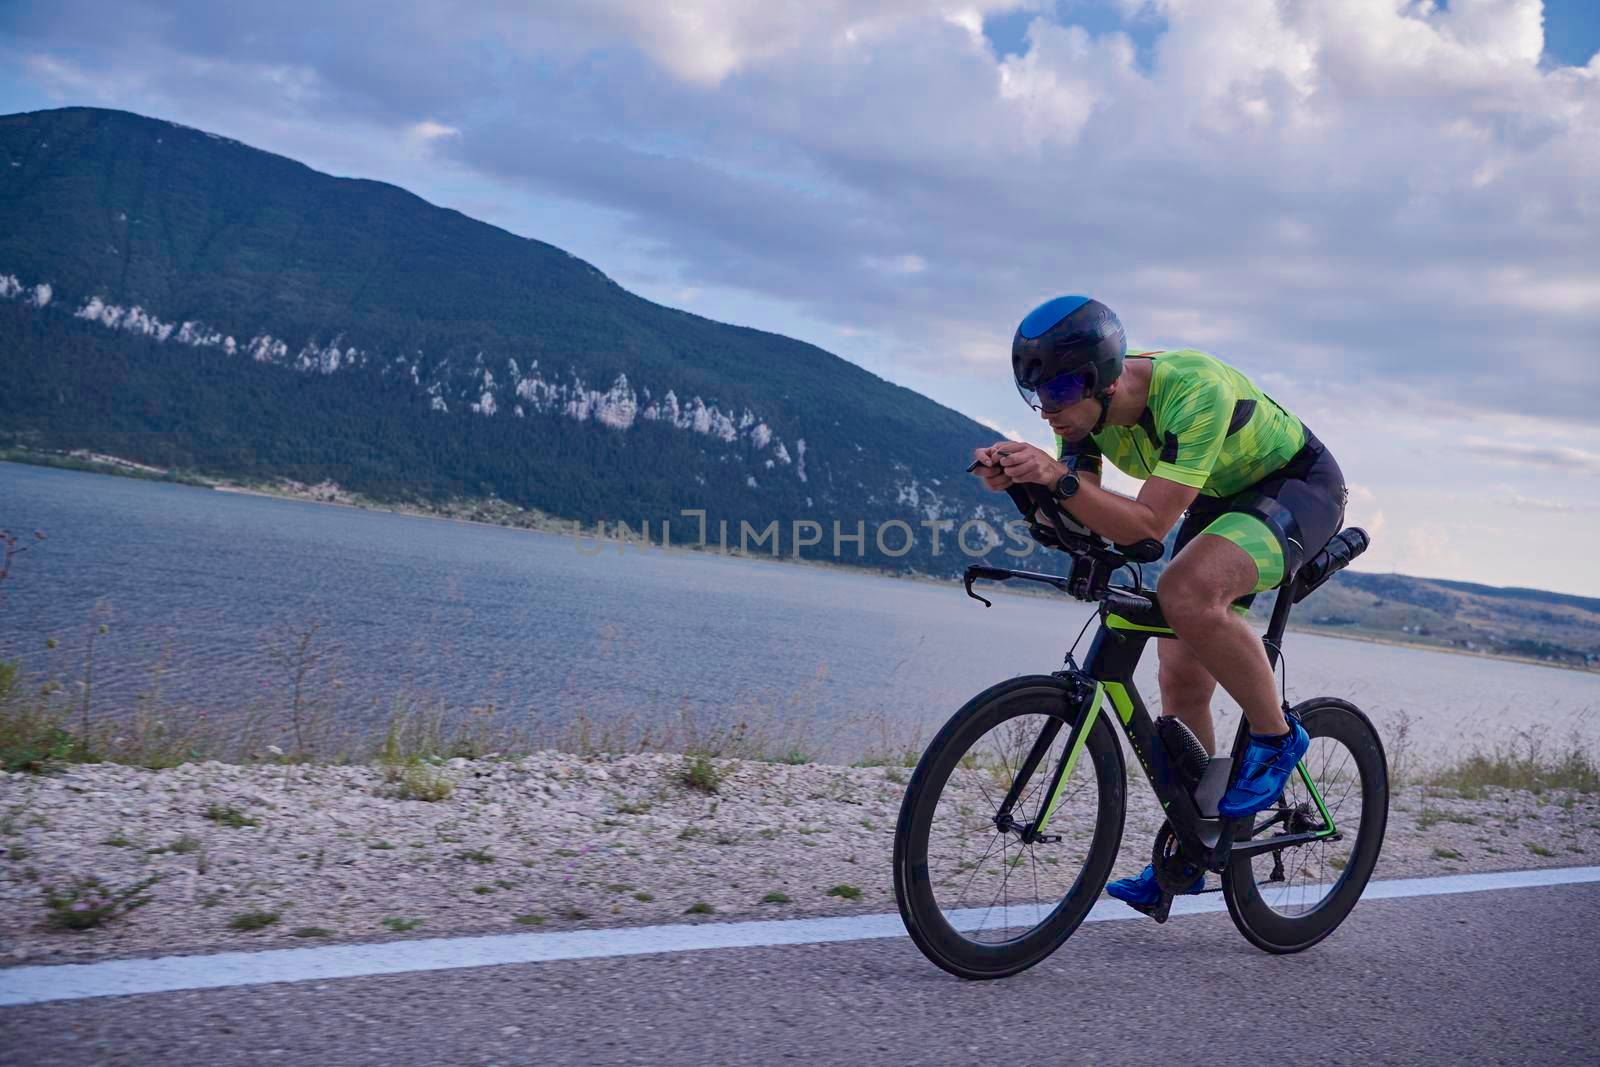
[1493, 977]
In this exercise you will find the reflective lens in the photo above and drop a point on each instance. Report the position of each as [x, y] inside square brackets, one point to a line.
[1063, 390]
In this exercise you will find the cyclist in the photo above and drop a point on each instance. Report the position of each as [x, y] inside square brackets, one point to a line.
[1260, 494]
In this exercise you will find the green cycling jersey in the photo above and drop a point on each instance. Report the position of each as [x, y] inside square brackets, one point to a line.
[1205, 425]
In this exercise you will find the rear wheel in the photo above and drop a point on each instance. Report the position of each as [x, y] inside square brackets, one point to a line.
[978, 900]
[1288, 900]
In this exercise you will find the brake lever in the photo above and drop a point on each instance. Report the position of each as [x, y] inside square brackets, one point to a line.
[977, 571]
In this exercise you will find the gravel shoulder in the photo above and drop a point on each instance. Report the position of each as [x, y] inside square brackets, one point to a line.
[552, 841]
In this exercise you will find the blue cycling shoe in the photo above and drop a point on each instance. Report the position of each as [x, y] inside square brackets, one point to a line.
[1144, 891]
[1265, 769]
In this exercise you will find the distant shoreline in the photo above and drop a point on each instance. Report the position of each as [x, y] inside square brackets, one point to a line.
[543, 524]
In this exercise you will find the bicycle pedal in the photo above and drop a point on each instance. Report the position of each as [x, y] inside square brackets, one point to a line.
[1157, 911]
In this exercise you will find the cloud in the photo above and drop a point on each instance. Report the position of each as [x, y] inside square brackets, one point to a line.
[1008, 432]
[1572, 460]
[1378, 192]
[1519, 500]
[428, 130]
[1363, 510]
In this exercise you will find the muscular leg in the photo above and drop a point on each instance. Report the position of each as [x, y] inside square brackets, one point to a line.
[1196, 592]
[1186, 689]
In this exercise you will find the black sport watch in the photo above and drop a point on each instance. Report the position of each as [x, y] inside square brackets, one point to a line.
[1067, 484]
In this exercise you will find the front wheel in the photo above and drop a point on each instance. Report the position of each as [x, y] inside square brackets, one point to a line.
[1289, 899]
[979, 900]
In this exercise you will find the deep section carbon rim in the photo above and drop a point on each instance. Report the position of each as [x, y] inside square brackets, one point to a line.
[1288, 901]
[988, 883]
[1297, 880]
[978, 899]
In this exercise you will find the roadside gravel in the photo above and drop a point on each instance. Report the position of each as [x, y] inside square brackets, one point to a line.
[552, 841]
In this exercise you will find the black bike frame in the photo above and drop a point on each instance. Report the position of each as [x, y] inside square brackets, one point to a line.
[1108, 672]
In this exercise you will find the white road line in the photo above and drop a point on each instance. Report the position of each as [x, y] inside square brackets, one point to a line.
[75, 981]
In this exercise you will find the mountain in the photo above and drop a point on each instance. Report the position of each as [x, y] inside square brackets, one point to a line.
[183, 300]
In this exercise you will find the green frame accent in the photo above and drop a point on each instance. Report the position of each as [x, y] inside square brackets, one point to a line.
[1117, 622]
[1072, 756]
[1316, 795]
[1119, 699]
[1113, 656]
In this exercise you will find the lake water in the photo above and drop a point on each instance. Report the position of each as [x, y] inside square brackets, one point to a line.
[205, 582]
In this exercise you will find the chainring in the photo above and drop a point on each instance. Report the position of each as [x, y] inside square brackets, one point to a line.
[1175, 873]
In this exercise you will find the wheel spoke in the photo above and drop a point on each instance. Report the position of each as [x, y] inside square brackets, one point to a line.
[972, 894]
[1310, 876]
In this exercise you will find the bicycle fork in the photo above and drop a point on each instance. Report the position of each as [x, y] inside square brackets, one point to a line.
[1082, 723]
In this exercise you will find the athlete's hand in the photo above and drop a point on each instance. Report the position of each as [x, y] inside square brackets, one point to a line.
[1029, 464]
[987, 467]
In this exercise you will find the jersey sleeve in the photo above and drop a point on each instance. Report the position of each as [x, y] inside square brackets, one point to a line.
[1192, 429]
[1082, 456]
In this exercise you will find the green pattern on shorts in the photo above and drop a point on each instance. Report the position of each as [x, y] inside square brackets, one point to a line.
[1258, 540]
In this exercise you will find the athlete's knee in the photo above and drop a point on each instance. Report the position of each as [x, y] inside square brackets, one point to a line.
[1186, 596]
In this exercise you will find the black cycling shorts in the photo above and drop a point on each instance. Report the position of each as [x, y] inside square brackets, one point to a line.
[1300, 505]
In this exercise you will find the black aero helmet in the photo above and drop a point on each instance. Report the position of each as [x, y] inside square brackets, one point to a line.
[1069, 333]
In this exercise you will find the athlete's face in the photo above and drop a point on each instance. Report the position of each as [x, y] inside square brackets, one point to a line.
[1074, 421]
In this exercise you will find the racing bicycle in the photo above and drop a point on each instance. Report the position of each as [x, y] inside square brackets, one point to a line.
[1013, 818]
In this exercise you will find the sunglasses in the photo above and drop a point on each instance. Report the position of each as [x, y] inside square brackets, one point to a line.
[1063, 390]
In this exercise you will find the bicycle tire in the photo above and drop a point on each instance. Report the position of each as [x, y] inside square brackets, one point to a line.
[926, 922]
[1257, 916]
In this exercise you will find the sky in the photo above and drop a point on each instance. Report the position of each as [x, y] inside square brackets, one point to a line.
[1387, 212]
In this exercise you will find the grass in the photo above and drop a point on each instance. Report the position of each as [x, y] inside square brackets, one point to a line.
[1446, 854]
[639, 808]
[699, 907]
[310, 931]
[33, 729]
[1430, 817]
[47, 721]
[185, 844]
[644, 898]
[846, 892]
[420, 781]
[1539, 850]
[531, 919]
[1530, 761]
[483, 890]
[700, 772]
[476, 855]
[229, 816]
[87, 902]
[400, 925]
[776, 896]
[117, 840]
[254, 920]
[794, 757]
